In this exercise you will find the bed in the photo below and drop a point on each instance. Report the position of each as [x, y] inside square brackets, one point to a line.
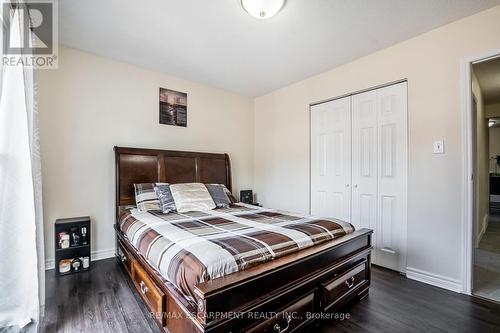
[237, 269]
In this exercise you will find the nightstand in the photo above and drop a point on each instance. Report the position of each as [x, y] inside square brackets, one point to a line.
[72, 245]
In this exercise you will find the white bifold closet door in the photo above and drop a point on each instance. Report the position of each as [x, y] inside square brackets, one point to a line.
[379, 164]
[374, 176]
[331, 159]
[364, 162]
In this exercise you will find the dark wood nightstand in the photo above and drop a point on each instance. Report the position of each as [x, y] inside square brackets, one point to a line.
[72, 244]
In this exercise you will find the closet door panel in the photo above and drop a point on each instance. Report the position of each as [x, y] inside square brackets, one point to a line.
[331, 159]
[364, 161]
[392, 173]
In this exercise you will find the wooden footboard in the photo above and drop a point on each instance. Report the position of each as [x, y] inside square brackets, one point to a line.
[287, 293]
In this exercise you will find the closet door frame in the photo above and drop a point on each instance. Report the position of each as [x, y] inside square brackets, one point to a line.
[405, 161]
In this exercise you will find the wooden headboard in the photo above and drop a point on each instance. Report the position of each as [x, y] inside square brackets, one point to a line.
[139, 165]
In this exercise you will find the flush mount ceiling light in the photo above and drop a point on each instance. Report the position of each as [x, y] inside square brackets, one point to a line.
[262, 9]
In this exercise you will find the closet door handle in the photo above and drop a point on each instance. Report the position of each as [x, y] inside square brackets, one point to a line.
[355, 185]
[388, 250]
[346, 185]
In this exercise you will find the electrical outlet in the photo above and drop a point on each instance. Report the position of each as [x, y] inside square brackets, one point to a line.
[438, 147]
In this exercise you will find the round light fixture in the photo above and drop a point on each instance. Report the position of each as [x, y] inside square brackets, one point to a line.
[262, 9]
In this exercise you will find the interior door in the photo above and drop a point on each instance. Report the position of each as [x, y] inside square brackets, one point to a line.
[331, 159]
[390, 250]
[364, 161]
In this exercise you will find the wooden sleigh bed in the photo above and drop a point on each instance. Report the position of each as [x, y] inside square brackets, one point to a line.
[282, 295]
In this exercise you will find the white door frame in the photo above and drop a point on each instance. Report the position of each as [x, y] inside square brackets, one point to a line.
[468, 189]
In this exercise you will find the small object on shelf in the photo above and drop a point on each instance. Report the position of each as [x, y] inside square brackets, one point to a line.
[85, 262]
[76, 264]
[65, 266]
[72, 244]
[75, 237]
[246, 196]
[83, 234]
[63, 240]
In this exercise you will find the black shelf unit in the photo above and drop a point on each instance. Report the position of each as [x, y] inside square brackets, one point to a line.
[69, 225]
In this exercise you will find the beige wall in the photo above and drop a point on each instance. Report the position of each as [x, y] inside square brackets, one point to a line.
[432, 64]
[91, 104]
[482, 163]
[494, 145]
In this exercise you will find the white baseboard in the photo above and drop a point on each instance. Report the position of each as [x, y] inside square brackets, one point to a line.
[434, 279]
[95, 255]
[484, 226]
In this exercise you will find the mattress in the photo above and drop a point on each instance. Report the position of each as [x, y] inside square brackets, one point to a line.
[194, 247]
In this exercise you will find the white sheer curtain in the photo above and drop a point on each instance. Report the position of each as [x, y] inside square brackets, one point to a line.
[21, 222]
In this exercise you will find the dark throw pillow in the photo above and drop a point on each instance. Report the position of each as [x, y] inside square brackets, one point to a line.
[231, 197]
[166, 199]
[218, 195]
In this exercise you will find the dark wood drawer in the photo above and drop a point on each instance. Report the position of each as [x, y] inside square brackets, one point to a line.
[336, 289]
[290, 319]
[149, 291]
[125, 257]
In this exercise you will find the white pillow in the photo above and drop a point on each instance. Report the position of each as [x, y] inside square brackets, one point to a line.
[191, 197]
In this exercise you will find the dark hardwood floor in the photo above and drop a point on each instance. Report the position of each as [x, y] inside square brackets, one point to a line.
[102, 300]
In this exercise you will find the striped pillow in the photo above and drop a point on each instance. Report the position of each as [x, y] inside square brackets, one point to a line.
[146, 198]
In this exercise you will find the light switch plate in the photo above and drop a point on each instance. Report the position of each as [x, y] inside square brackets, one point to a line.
[438, 147]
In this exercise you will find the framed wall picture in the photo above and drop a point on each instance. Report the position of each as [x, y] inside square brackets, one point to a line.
[173, 107]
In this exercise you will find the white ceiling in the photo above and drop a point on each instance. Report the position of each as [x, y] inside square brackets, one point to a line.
[488, 75]
[216, 42]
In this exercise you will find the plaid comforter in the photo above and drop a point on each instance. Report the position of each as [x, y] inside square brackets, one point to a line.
[197, 246]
